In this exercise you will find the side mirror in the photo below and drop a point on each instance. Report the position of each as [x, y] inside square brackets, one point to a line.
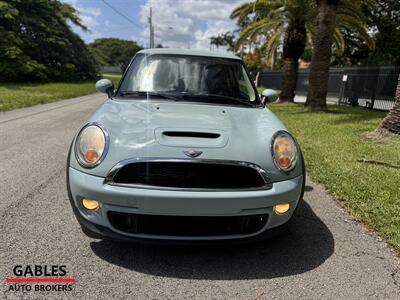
[268, 96]
[264, 99]
[105, 86]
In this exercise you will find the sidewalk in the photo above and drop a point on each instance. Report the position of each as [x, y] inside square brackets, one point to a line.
[302, 99]
[378, 105]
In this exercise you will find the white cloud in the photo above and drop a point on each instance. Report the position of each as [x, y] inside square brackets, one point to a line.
[88, 15]
[89, 18]
[189, 23]
[91, 11]
[88, 21]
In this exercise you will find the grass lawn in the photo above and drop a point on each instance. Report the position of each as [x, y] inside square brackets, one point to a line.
[332, 142]
[16, 95]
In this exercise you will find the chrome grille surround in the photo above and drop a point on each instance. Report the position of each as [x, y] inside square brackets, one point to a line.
[262, 173]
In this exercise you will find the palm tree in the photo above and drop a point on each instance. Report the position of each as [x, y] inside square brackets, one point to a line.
[271, 19]
[216, 41]
[224, 39]
[392, 121]
[228, 39]
[331, 14]
[290, 24]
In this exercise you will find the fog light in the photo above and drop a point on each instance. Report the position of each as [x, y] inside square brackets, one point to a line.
[90, 204]
[282, 208]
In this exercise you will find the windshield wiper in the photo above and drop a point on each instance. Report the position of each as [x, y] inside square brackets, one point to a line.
[216, 96]
[151, 94]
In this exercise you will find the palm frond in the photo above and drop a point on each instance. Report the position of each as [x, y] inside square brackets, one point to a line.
[257, 28]
[357, 26]
[272, 45]
[270, 18]
[339, 41]
[241, 12]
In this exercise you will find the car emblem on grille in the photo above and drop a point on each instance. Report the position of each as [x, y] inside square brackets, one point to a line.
[192, 153]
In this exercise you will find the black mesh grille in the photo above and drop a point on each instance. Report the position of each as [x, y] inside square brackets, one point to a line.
[186, 226]
[190, 175]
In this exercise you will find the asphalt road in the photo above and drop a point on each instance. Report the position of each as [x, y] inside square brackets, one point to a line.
[325, 255]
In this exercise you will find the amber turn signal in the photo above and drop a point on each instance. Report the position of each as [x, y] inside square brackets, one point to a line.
[91, 156]
[284, 162]
[90, 204]
[282, 208]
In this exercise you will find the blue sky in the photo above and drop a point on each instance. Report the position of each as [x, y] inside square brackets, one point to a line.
[178, 23]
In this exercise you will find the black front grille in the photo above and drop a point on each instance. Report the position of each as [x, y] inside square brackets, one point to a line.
[190, 175]
[186, 226]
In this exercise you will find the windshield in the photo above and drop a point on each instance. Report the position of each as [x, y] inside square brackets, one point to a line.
[194, 78]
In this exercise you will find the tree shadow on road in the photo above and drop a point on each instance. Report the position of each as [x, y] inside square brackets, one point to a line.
[307, 245]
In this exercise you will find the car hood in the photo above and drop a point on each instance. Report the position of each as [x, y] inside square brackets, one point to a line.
[167, 129]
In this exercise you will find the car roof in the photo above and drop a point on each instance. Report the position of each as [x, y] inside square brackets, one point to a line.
[194, 52]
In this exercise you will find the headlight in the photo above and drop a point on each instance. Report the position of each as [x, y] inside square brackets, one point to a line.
[284, 151]
[91, 145]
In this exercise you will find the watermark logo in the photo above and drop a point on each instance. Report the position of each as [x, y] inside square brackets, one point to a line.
[40, 278]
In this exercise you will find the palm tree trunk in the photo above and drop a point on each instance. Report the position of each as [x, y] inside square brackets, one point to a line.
[289, 80]
[321, 56]
[392, 121]
[293, 48]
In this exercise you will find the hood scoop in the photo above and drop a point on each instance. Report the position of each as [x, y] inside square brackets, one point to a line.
[191, 138]
[192, 134]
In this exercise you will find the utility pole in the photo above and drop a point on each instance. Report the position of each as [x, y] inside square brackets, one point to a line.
[151, 29]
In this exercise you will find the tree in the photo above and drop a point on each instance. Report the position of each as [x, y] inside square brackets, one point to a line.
[216, 41]
[113, 51]
[321, 57]
[271, 19]
[37, 42]
[382, 20]
[228, 39]
[355, 52]
[391, 122]
[385, 18]
[290, 24]
[224, 39]
[326, 24]
[253, 61]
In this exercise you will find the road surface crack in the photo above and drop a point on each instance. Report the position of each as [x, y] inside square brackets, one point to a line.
[36, 190]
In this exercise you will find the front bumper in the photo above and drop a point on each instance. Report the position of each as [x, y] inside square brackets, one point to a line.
[176, 203]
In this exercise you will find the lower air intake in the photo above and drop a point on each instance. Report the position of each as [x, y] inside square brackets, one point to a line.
[186, 226]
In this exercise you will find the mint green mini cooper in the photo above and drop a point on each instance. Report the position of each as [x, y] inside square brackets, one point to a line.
[184, 150]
